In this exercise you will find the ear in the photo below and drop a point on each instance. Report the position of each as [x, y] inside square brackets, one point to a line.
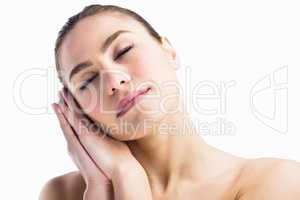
[170, 51]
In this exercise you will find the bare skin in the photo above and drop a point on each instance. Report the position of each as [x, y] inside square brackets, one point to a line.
[146, 163]
[251, 183]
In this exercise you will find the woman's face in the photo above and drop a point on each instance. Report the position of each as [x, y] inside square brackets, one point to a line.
[100, 72]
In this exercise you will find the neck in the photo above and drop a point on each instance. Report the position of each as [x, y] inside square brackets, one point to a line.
[172, 153]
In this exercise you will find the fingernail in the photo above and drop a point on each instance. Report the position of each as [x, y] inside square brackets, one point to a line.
[53, 107]
[58, 109]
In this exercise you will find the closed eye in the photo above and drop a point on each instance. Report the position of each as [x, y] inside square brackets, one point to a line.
[86, 82]
[125, 50]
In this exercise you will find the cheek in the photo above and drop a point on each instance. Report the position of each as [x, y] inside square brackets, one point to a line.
[97, 111]
[89, 102]
[99, 108]
[150, 65]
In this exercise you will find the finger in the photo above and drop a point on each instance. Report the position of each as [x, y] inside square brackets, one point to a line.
[111, 150]
[63, 104]
[81, 130]
[83, 161]
[72, 141]
[78, 111]
[78, 119]
[75, 110]
[71, 102]
[77, 123]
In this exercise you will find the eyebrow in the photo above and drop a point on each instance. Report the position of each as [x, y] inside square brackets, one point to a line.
[104, 47]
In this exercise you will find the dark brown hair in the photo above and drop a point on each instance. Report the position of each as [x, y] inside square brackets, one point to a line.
[93, 10]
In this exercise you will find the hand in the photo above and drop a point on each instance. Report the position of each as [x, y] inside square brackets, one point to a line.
[98, 186]
[109, 155]
[102, 160]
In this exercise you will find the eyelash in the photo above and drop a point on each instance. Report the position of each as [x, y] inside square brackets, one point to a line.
[84, 85]
[125, 50]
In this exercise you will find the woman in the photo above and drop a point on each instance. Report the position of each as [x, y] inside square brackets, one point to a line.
[125, 123]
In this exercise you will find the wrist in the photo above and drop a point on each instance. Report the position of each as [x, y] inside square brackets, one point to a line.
[98, 192]
[127, 170]
[129, 178]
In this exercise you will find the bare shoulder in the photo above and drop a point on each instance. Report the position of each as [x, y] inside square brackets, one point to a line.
[270, 178]
[64, 187]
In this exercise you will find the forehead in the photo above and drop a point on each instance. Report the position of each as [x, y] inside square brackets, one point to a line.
[89, 33]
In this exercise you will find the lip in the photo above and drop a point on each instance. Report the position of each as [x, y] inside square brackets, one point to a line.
[129, 101]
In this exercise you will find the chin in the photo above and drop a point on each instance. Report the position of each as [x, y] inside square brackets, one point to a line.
[137, 123]
[143, 118]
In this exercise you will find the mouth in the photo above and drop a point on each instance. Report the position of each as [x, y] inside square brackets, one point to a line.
[130, 100]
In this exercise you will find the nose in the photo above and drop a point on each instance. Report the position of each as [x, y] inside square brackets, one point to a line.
[115, 82]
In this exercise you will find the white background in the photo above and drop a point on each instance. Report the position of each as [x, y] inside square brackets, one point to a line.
[246, 42]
